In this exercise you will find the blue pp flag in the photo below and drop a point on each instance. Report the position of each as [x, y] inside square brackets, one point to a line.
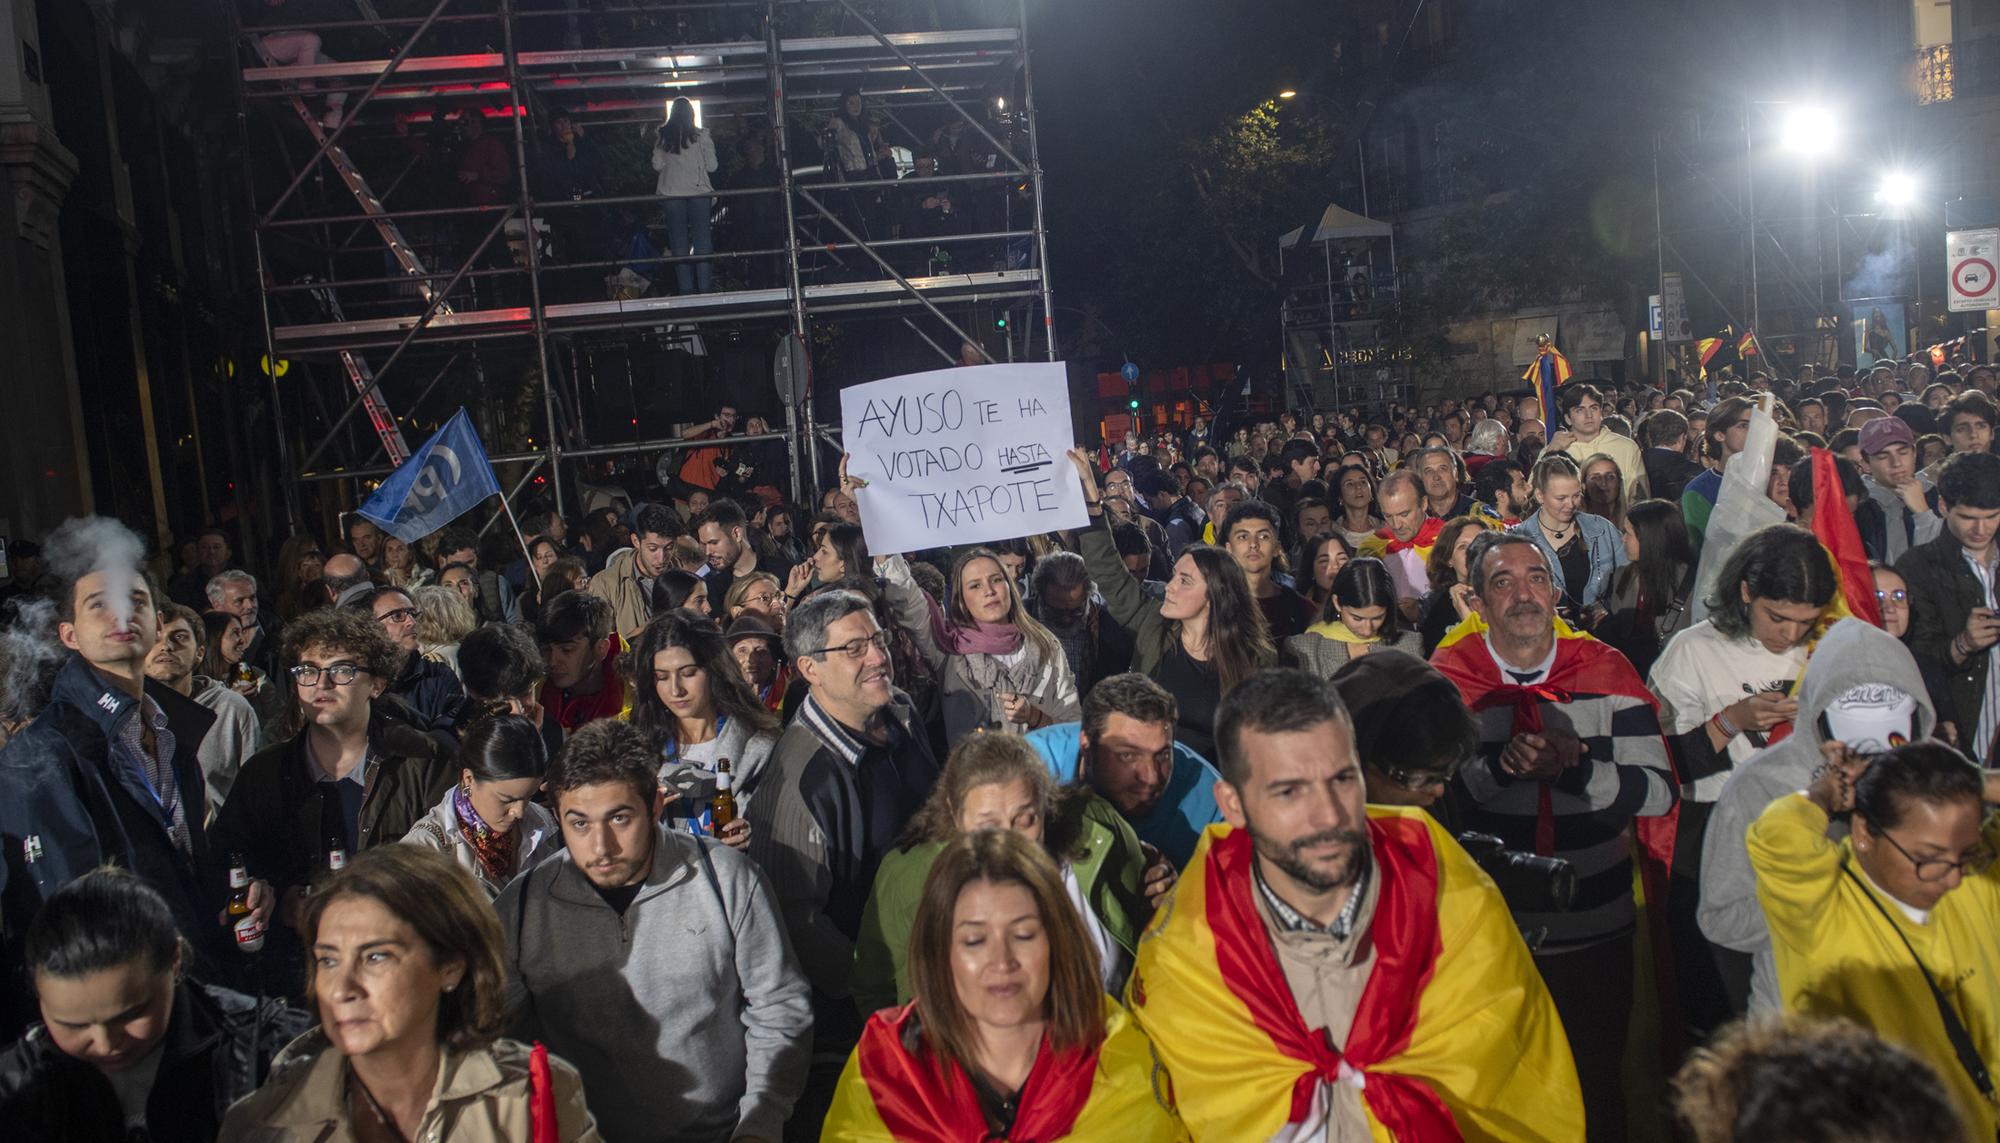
[442, 481]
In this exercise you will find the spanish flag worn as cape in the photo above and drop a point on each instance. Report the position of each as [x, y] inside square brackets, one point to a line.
[1455, 1037]
[1583, 666]
[893, 1091]
[1384, 542]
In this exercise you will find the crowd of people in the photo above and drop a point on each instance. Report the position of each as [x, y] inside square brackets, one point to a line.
[1398, 775]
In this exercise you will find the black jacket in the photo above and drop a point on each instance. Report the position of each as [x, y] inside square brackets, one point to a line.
[66, 808]
[1943, 592]
[428, 688]
[217, 1049]
[274, 814]
[1668, 473]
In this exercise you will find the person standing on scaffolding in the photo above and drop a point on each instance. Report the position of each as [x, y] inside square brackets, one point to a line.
[857, 152]
[684, 154]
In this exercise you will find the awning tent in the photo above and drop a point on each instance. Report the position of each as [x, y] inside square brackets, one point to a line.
[1335, 224]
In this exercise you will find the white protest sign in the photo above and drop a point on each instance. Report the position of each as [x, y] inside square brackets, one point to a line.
[962, 456]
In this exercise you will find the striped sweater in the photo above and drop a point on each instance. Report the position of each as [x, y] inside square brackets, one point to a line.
[1623, 774]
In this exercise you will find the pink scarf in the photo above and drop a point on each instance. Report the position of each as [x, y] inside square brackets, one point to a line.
[955, 638]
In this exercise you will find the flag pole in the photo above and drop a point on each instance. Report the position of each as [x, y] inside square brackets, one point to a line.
[523, 540]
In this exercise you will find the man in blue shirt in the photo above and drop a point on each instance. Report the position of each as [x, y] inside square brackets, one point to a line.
[1165, 790]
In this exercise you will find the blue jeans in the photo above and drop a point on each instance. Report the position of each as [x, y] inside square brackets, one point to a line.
[688, 233]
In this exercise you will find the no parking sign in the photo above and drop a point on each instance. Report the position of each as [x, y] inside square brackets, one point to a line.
[1969, 257]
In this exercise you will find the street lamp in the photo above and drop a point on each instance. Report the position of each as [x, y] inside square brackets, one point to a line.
[1898, 189]
[1288, 93]
[1809, 130]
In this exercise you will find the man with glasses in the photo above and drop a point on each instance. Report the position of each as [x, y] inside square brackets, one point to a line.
[850, 771]
[1570, 757]
[1411, 729]
[428, 689]
[1893, 926]
[1862, 693]
[350, 779]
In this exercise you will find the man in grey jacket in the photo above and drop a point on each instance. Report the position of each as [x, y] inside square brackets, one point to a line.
[654, 961]
[1862, 688]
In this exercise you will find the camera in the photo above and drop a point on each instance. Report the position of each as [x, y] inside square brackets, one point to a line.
[1529, 883]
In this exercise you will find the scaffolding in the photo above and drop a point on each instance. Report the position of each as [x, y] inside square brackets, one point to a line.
[392, 293]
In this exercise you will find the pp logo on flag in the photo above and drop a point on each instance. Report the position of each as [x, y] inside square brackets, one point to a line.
[432, 485]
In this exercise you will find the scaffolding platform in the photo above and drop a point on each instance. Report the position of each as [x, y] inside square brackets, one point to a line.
[689, 309]
[423, 289]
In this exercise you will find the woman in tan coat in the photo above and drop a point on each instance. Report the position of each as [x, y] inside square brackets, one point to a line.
[408, 974]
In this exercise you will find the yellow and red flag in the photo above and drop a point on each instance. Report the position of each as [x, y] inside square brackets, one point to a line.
[1547, 372]
[1384, 542]
[1746, 345]
[1834, 525]
[1455, 1036]
[890, 1094]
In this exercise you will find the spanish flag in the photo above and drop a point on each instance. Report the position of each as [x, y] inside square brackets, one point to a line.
[894, 1091]
[1746, 346]
[1384, 542]
[1455, 1037]
[1547, 372]
[1834, 525]
[1706, 349]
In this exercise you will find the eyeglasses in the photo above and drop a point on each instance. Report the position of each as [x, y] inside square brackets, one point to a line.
[1897, 596]
[400, 615]
[761, 599]
[855, 648]
[1415, 780]
[1937, 869]
[340, 674]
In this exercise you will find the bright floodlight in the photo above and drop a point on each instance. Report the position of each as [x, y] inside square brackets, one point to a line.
[1898, 188]
[1809, 129]
[1287, 93]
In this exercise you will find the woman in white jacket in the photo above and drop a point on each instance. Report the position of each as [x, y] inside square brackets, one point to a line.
[1001, 669]
[488, 822]
[684, 154]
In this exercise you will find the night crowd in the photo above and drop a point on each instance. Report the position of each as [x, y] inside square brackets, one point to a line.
[1353, 776]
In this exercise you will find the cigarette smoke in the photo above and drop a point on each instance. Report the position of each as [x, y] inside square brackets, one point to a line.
[87, 544]
[29, 659]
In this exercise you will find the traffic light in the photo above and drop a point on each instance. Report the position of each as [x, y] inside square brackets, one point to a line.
[1133, 404]
[1000, 322]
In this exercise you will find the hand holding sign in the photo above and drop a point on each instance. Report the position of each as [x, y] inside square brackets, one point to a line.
[960, 456]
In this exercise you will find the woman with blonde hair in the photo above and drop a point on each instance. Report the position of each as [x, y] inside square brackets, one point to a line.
[997, 781]
[408, 972]
[443, 618]
[1010, 1034]
[999, 668]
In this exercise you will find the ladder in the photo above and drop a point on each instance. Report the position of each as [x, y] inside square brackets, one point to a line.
[358, 372]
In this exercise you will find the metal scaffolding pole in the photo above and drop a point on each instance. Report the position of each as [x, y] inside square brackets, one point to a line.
[799, 404]
[519, 109]
[1035, 180]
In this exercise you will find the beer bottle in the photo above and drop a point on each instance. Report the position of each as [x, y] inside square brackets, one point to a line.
[248, 931]
[336, 854]
[722, 810]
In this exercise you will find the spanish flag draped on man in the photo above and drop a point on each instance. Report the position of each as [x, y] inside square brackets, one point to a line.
[1326, 970]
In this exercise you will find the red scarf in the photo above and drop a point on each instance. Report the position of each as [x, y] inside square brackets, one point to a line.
[1405, 937]
[1426, 538]
[922, 1100]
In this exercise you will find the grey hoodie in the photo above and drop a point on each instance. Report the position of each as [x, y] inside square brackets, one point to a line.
[1852, 652]
[686, 1015]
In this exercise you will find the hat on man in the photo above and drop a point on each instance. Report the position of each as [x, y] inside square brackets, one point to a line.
[1882, 432]
[749, 627]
